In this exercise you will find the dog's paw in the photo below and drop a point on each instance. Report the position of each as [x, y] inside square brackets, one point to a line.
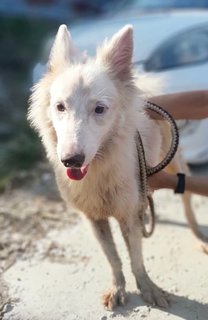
[153, 295]
[114, 297]
[156, 298]
[203, 246]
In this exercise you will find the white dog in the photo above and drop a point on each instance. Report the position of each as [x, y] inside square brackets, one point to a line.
[87, 114]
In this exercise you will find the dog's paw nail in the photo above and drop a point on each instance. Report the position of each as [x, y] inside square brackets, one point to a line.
[162, 302]
[204, 247]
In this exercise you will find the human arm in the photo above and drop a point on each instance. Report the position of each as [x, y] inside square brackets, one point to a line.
[194, 184]
[185, 105]
[191, 105]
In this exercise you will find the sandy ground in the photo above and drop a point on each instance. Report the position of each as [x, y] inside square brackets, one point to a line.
[54, 269]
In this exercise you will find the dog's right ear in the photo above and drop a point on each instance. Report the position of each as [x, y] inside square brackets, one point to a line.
[62, 50]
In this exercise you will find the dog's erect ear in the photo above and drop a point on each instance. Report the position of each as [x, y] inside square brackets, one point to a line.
[117, 53]
[62, 49]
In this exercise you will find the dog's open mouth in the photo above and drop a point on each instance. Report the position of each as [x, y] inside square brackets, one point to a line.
[77, 173]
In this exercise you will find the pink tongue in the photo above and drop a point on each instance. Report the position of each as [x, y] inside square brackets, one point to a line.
[77, 174]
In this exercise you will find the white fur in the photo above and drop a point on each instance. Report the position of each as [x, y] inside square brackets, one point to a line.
[111, 186]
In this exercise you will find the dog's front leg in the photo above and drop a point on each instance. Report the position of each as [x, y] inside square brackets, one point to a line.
[132, 232]
[116, 295]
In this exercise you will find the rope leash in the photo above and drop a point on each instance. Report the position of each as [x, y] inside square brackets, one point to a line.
[175, 138]
[146, 171]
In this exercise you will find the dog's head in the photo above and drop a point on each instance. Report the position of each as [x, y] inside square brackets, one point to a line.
[85, 99]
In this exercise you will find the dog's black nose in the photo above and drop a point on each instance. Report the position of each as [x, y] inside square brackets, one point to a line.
[75, 162]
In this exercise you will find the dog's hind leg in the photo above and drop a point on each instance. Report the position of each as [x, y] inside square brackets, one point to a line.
[179, 165]
[116, 295]
[132, 233]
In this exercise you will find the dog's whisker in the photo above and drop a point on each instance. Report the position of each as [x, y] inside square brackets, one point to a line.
[100, 155]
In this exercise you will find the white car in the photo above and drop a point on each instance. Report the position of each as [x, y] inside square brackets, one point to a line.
[169, 43]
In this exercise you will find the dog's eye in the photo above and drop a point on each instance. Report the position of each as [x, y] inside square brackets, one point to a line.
[99, 109]
[60, 107]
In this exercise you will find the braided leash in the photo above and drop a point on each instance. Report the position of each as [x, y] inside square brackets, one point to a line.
[175, 138]
[146, 171]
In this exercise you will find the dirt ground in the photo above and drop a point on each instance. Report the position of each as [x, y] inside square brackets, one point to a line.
[53, 269]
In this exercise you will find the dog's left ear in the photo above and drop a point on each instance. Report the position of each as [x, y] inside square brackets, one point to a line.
[117, 53]
[62, 52]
